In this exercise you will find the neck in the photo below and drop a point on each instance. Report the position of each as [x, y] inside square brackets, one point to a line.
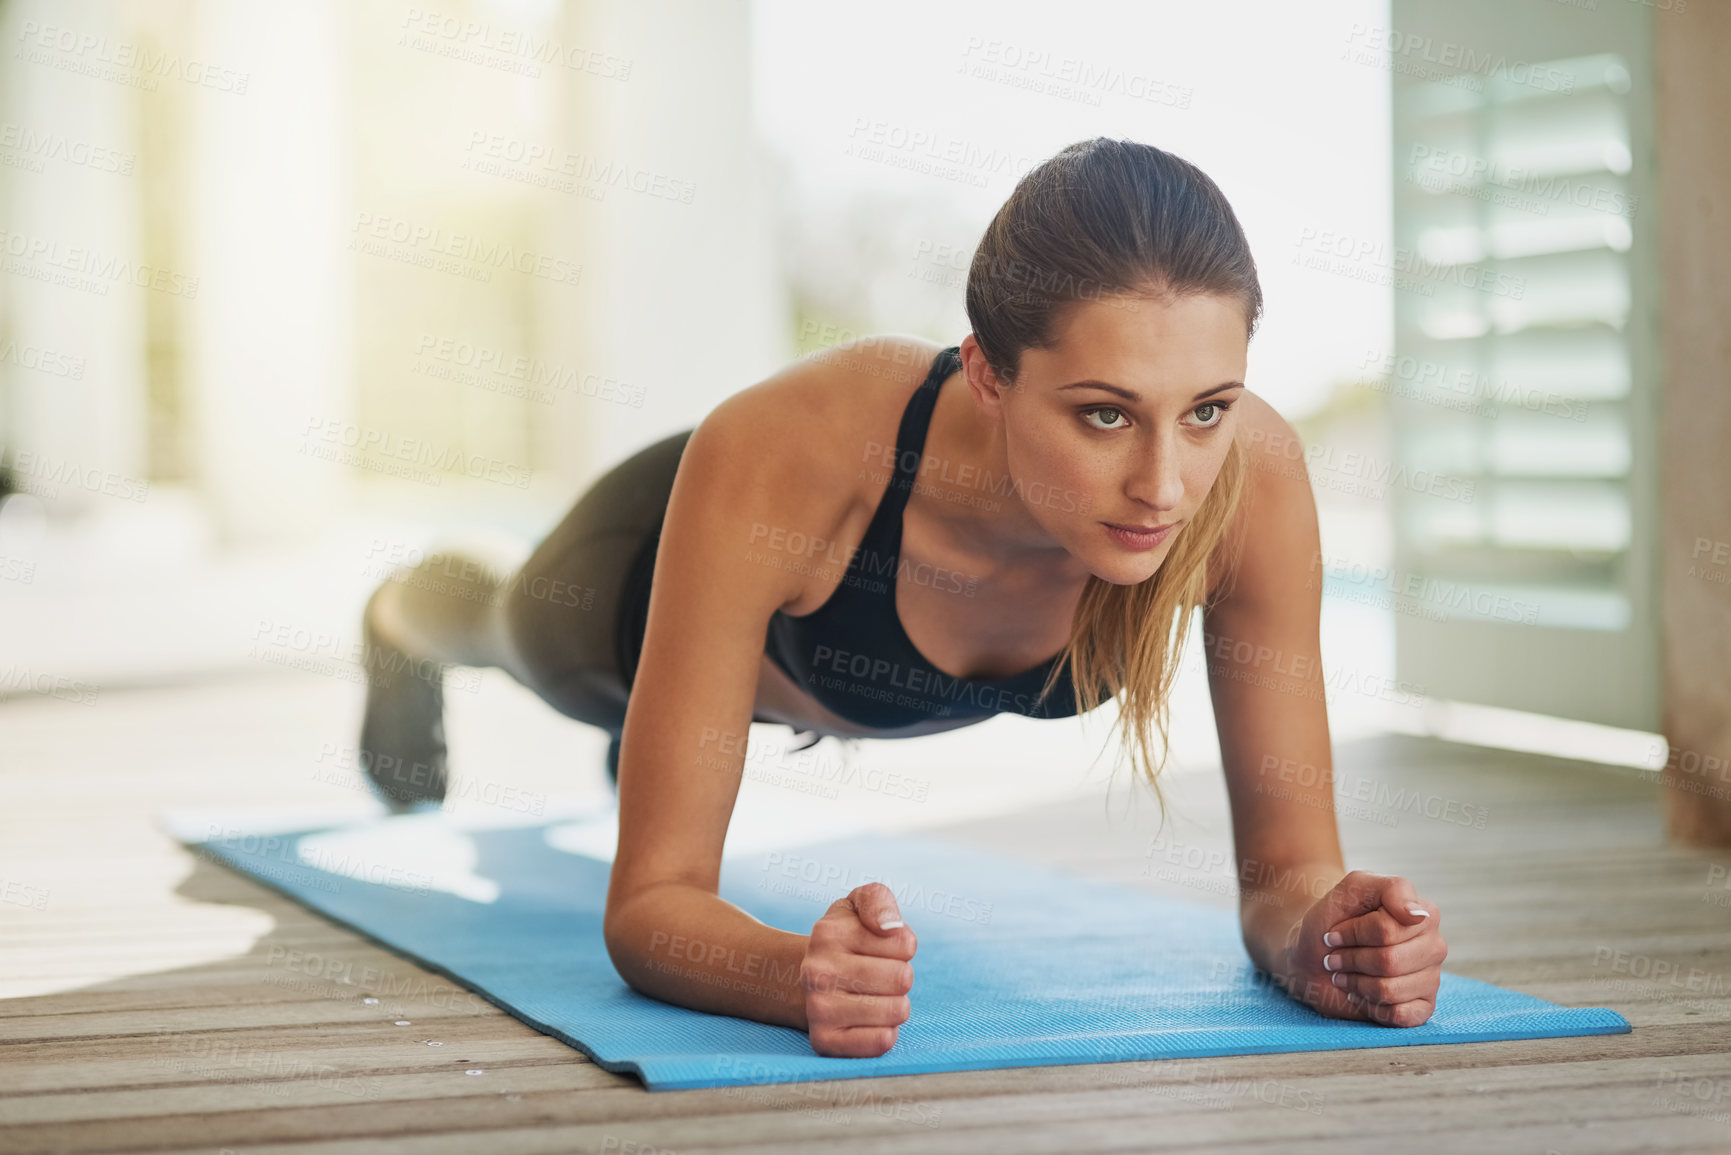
[971, 495]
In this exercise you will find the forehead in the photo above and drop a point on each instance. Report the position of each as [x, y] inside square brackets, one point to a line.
[1168, 344]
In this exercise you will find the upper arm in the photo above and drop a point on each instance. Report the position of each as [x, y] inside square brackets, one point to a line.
[711, 598]
[1263, 655]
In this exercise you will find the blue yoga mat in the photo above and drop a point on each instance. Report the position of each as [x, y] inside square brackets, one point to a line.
[1018, 965]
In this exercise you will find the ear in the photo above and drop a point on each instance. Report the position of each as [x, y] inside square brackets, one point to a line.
[985, 385]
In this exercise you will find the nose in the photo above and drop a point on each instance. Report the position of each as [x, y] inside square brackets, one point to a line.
[1158, 482]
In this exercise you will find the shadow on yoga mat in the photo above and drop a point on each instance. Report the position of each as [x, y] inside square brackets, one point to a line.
[1018, 965]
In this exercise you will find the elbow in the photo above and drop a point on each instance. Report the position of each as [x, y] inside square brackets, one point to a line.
[632, 947]
[626, 955]
[622, 932]
[639, 924]
[616, 933]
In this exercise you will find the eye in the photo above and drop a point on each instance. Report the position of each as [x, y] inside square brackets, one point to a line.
[1117, 413]
[1212, 413]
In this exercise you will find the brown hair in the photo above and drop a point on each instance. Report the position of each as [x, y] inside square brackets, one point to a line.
[1117, 220]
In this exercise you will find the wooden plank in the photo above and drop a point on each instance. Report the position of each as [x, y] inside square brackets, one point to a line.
[243, 1050]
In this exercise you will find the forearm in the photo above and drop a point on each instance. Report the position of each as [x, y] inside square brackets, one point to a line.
[683, 945]
[1273, 900]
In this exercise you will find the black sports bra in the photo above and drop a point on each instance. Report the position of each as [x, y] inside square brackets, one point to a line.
[852, 654]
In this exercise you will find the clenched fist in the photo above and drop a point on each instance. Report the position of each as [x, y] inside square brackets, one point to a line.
[1370, 949]
[857, 973]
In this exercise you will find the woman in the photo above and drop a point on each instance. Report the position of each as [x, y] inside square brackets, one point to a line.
[887, 539]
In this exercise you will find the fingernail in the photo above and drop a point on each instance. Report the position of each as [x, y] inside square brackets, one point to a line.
[1339, 979]
[1330, 962]
[893, 924]
[1332, 938]
[1415, 908]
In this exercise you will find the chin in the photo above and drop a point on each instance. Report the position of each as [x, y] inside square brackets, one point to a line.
[1127, 569]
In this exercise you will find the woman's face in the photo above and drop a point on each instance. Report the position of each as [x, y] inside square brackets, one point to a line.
[1126, 422]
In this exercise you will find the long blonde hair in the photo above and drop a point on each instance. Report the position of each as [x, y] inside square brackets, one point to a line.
[1110, 219]
[1128, 640]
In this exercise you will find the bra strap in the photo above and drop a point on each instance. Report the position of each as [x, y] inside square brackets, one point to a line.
[916, 420]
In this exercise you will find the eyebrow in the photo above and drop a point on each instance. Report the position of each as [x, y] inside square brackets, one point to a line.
[1132, 395]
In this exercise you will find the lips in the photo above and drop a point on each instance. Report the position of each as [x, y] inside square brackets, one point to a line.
[1140, 540]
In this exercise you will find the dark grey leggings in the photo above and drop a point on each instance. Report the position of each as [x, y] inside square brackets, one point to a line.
[574, 613]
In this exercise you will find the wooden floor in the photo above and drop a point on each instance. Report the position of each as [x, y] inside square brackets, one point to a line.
[145, 1004]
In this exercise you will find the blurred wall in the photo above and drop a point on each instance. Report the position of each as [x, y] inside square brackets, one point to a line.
[373, 260]
[685, 297]
[72, 387]
[267, 344]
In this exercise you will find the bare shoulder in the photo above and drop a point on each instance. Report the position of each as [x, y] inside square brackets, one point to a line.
[1274, 527]
[828, 399]
[803, 445]
[1267, 436]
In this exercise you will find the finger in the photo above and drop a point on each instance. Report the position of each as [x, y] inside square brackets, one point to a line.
[845, 934]
[1401, 900]
[1361, 892]
[1399, 989]
[1327, 999]
[1408, 1014]
[864, 976]
[858, 1042]
[887, 1011]
[1388, 961]
[876, 906]
[1378, 928]
[899, 944]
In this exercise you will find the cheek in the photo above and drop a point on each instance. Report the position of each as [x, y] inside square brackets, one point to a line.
[1200, 470]
[1056, 485]
[1045, 461]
